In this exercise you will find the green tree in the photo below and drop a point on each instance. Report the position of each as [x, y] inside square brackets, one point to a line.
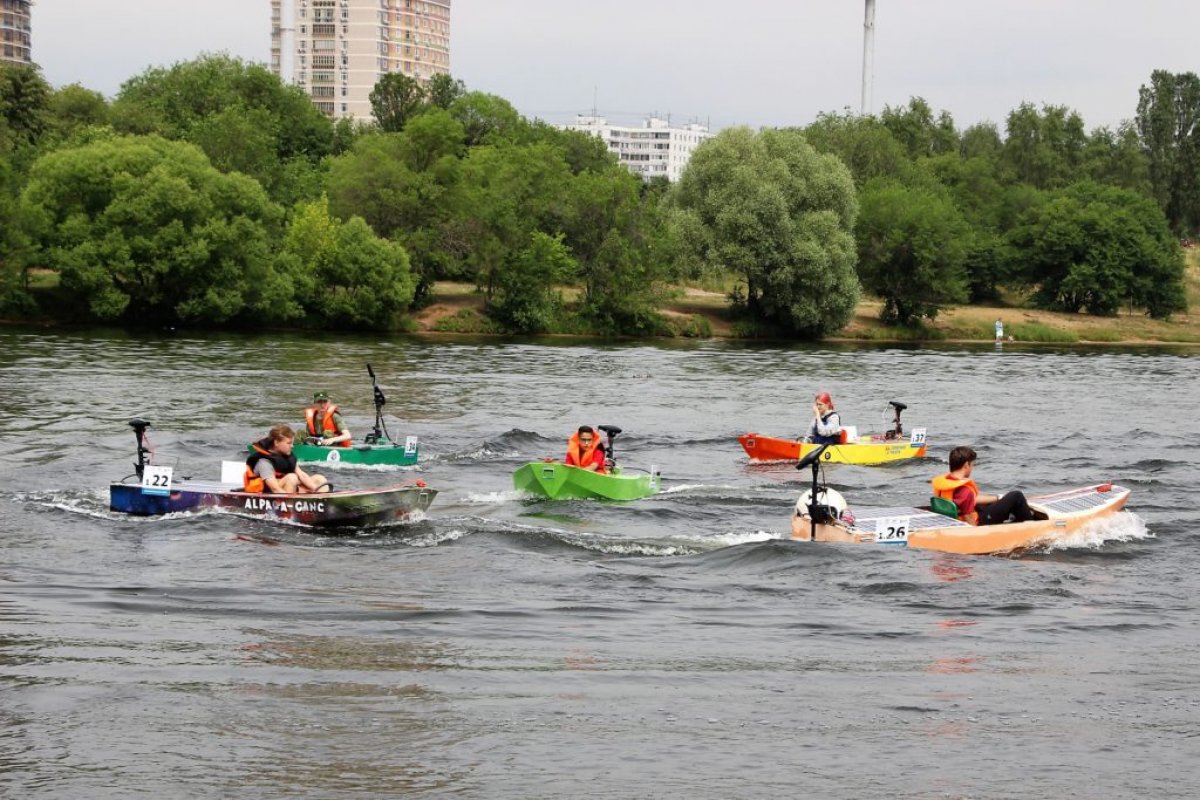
[525, 299]
[1044, 149]
[862, 143]
[1094, 247]
[396, 99]
[354, 279]
[214, 101]
[912, 245]
[442, 90]
[1168, 120]
[1117, 158]
[24, 103]
[916, 129]
[781, 215]
[146, 231]
[407, 187]
[619, 237]
[488, 119]
[73, 107]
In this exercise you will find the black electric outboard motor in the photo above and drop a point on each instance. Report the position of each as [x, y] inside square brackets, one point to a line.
[380, 432]
[897, 432]
[610, 432]
[818, 513]
[139, 430]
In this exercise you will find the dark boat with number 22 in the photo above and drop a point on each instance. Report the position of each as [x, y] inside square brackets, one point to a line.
[353, 508]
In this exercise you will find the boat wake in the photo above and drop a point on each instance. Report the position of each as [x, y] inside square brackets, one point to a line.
[1121, 527]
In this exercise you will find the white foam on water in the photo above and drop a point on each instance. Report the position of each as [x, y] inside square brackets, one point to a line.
[496, 498]
[338, 466]
[1124, 526]
[730, 539]
[435, 538]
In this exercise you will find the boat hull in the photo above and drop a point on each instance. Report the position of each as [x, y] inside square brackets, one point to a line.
[1065, 512]
[557, 481]
[321, 510]
[865, 450]
[382, 453]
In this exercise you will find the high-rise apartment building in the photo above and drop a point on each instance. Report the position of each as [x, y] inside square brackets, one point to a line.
[14, 31]
[336, 50]
[653, 150]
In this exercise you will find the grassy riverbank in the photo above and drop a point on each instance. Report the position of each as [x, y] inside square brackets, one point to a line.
[457, 307]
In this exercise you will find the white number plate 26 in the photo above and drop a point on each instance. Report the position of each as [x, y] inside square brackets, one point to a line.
[891, 530]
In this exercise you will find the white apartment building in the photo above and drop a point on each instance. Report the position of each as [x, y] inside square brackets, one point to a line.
[337, 50]
[652, 150]
[15, 41]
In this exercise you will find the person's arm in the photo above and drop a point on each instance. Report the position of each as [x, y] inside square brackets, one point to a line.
[831, 428]
[343, 434]
[266, 471]
[310, 482]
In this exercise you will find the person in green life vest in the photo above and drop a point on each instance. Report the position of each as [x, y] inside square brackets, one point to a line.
[324, 423]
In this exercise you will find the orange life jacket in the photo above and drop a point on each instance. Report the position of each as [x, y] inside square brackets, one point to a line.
[578, 458]
[945, 485]
[326, 429]
[251, 480]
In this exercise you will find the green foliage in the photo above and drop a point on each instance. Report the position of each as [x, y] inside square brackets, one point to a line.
[1037, 332]
[467, 320]
[863, 144]
[73, 107]
[524, 300]
[240, 114]
[1045, 149]
[488, 119]
[780, 214]
[395, 99]
[1093, 247]
[346, 276]
[442, 90]
[915, 128]
[691, 327]
[145, 230]
[912, 247]
[1168, 120]
[24, 104]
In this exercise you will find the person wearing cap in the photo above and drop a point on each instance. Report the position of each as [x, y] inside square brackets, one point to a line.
[974, 507]
[826, 426]
[325, 423]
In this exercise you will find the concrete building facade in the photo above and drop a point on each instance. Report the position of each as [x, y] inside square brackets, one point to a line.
[15, 32]
[336, 50]
[655, 149]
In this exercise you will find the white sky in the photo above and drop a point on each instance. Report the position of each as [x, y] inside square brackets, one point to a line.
[752, 62]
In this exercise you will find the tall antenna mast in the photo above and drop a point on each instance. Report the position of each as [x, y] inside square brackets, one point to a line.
[868, 72]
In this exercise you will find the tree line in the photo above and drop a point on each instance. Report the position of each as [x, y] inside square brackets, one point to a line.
[210, 194]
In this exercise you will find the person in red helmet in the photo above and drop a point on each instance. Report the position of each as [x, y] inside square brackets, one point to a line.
[826, 426]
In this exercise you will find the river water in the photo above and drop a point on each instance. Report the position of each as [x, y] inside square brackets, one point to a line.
[672, 647]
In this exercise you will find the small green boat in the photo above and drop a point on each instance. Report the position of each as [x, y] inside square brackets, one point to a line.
[557, 481]
[383, 451]
[376, 448]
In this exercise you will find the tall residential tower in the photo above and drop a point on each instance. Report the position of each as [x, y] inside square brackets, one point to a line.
[14, 30]
[336, 50]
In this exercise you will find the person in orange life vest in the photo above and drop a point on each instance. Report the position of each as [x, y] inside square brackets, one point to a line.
[584, 450]
[273, 468]
[973, 507]
[325, 423]
[826, 426]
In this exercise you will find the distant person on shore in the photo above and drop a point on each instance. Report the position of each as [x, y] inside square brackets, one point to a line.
[272, 467]
[826, 427]
[325, 423]
[999, 330]
[585, 450]
[973, 507]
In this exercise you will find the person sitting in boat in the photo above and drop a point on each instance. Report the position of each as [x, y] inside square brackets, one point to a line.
[325, 423]
[973, 507]
[585, 450]
[826, 426]
[273, 468]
